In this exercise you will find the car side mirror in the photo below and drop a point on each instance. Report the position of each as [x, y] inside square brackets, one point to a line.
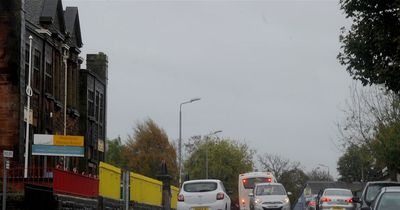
[289, 193]
[251, 195]
[356, 199]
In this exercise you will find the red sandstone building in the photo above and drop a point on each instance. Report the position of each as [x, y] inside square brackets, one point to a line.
[56, 48]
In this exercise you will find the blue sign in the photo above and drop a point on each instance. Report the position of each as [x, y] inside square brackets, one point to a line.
[52, 150]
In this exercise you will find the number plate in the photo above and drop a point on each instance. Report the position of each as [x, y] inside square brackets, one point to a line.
[200, 208]
[337, 208]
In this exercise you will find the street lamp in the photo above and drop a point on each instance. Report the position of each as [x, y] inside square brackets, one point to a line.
[180, 136]
[325, 167]
[208, 136]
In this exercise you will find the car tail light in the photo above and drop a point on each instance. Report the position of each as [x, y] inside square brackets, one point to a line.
[269, 180]
[349, 200]
[181, 198]
[325, 199]
[244, 181]
[311, 203]
[243, 202]
[220, 196]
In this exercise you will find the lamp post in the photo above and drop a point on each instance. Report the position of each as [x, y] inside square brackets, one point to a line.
[28, 107]
[325, 167]
[180, 136]
[208, 136]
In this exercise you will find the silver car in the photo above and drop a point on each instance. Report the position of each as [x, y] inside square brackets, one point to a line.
[335, 199]
[387, 199]
[268, 196]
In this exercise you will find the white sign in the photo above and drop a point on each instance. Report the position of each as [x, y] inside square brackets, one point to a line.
[30, 115]
[100, 145]
[8, 153]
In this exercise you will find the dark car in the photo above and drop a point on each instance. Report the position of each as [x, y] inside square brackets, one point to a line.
[370, 192]
[387, 199]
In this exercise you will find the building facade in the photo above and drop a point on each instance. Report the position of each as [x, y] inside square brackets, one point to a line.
[61, 94]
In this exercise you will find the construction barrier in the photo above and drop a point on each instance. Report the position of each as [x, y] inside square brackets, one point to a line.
[145, 190]
[75, 184]
[174, 197]
[110, 181]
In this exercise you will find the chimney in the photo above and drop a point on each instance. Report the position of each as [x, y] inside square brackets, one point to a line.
[98, 63]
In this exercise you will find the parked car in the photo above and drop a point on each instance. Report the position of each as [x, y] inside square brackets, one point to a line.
[334, 199]
[369, 193]
[387, 199]
[272, 196]
[206, 194]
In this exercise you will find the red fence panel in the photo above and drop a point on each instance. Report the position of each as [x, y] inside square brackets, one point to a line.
[75, 184]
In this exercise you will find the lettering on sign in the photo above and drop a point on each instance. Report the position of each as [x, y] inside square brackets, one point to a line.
[8, 153]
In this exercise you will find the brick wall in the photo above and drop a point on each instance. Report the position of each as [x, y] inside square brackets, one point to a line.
[10, 39]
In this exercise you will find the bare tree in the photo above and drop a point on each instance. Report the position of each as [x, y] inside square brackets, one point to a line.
[276, 164]
[367, 108]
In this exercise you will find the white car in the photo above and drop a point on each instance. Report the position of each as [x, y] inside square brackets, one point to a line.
[205, 194]
[272, 196]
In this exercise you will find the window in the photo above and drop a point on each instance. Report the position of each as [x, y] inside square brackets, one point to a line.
[36, 70]
[26, 64]
[101, 108]
[97, 105]
[90, 103]
[200, 187]
[48, 78]
[56, 78]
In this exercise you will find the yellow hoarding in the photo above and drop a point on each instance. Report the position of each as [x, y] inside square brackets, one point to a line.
[110, 181]
[174, 197]
[76, 141]
[145, 190]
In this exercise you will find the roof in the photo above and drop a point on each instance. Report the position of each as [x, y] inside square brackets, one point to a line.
[48, 12]
[391, 189]
[202, 180]
[72, 24]
[316, 186]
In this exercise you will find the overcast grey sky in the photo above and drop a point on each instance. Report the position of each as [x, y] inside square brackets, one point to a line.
[266, 71]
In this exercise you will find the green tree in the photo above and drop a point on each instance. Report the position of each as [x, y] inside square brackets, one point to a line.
[226, 160]
[386, 147]
[145, 150]
[370, 48]
[318, 175]
[114, 153]
[294, 181]
[357, 164]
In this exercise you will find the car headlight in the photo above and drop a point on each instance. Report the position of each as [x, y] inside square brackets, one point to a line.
[285, 200]
[257, 201]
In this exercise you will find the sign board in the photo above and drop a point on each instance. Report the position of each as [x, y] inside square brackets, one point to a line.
[30, 115]
[54, 150]
[8, 153]
[58, 140]
[100, 145]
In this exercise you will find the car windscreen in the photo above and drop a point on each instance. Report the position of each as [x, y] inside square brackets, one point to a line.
[270, 190]
[389, 201]
[249, 183]
[200, 187]
[332, 192]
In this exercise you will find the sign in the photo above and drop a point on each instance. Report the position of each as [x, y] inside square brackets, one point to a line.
[58, 140]
[100, 145]
[76, 141]
[53, 150]
[30, 115]
[8, 153]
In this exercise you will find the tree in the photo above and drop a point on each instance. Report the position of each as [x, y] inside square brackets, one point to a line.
[357, 164]
[146, 149]
[370, 48]
[294, 181]
[276, 164]
[226, 159]
[386, 147]
[114, 153]
[317, 175]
